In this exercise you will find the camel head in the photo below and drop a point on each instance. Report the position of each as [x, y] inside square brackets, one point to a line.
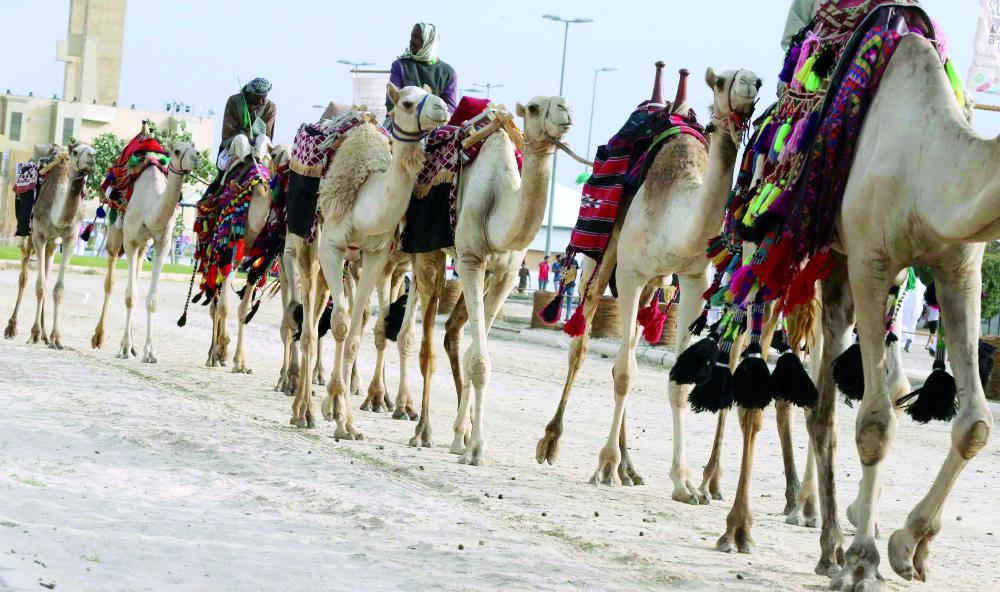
[416, 112]
[546, 119]
[281, 155]
[735, 95]
[183, 157]
[81, 158]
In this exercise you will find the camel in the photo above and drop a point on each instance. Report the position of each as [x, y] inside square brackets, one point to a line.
[149, 215]
[500, 212]
[687, 187]
[243, 152]
[57, 214]
[363, 197]
[399, 263]
[894, 215]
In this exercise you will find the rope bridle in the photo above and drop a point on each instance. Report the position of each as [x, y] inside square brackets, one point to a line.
[736, 124]
[407, 136]
[555, 142]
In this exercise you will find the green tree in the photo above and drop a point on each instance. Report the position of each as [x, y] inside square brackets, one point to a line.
[991, 284]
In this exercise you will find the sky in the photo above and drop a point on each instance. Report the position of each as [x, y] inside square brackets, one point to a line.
[194, 51]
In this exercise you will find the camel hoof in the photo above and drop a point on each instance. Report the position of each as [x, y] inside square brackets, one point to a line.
[908, 556]
[97, 341]
[686, 494]
[457, 445]
[421, 442]
[735, 541]
[798, 518]
[628, 476]
[55, 343]
[149, 359]
[11, 331]
[604, 475]
[387, 401]
[319, 381]
[348, 434]
[860, 571]
[474, 454]
[547, 449]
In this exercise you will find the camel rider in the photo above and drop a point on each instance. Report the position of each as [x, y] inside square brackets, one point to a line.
[419, 65]
[248, 112]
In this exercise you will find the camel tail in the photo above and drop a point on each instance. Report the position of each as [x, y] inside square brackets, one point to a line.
[802, 324]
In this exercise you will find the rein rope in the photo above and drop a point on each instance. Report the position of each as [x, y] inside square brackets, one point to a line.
[407, 136]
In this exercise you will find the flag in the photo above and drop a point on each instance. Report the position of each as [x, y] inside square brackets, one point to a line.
[984, 75]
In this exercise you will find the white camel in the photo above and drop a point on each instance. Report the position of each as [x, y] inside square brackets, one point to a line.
[500, 212]
[672, 216]
[149, 215]
[57, 214]
[363, 197]
[893, 215]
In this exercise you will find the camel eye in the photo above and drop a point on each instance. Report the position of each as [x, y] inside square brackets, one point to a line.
[407, 104]
[177, 152]
[720, 83]
[758, 84]
[533, 109]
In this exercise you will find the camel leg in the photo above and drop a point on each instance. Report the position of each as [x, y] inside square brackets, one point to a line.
[59, 290]
[838, 317]
[547, 449]
[740, 520]
[240, 356]
[959, 288]
[784, 410]
[376, 390]
[692, 286]
[114, 247]
[875, 428]
[288, 279]
[405, 344]
[44, 253]
[483, 309]
[125, 350]
[453, 328]
[355, 377]
[805, 513]
[346, 331]
[22, 281]
[622, 374]
[160, 249]
[322, 295]
[302, 406]
[431, 267]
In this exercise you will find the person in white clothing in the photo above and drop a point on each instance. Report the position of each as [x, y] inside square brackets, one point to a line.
[912, 311]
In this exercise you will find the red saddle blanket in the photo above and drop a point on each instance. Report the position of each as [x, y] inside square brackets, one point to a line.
[142, 152]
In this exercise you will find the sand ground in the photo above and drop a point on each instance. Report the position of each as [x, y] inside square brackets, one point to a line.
[118, 475]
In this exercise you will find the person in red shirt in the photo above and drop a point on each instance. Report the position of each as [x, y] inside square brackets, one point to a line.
[543, 274]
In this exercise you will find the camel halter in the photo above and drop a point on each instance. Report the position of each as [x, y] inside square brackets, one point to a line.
[406, 136]
[557, 143]
[737, 125]
[183, 173]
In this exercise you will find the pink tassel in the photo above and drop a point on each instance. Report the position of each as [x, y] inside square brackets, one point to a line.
[794, 140]
[741, 283]
[653, 329]
[808, 47]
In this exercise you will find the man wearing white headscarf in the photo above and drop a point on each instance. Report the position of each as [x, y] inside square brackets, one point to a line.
[419, 65]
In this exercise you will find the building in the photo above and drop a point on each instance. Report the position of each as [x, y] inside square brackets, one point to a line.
[92, 53]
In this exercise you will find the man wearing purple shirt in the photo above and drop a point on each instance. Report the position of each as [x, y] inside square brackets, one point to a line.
[419, 65]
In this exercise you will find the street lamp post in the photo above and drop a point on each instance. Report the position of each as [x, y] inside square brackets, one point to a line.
[469, 90]
[562, 78]
[593, 101]
[488, 86]
[355, 65]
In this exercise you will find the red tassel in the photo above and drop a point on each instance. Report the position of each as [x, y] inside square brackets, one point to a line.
[775, 272]
[803, 287]
[653, 330]
[238, 256]
[577, 324]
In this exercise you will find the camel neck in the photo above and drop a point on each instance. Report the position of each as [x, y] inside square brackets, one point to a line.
[167, 203]
[390, 192]
[519, 209]
[718, 184]
[70, 206]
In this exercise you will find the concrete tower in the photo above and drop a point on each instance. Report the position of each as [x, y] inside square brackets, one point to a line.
[92, 51]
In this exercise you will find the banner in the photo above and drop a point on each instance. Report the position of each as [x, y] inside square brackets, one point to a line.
[984, 75]
[369, 91]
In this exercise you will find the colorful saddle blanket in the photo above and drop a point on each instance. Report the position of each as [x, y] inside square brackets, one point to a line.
[262, 257]
[312, 151]
[221, 228]
[142, 152]
[25, 185]
[434, 205]
[620, 168]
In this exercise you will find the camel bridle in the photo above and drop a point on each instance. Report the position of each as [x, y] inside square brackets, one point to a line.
[558, 143]
[736, 124]
[407, 136]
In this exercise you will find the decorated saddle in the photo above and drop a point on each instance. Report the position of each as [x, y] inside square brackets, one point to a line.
[221, 228]
[312, 151]
[28, 178]
[789, 190]
[142, 151]
[434, 205]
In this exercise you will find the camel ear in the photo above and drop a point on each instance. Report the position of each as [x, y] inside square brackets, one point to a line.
[427, 89]
[710, 78]
[520, 110]
[393, 92]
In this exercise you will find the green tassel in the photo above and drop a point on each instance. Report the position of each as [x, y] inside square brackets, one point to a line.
[583, 177]
[779, 139]
[956, 82]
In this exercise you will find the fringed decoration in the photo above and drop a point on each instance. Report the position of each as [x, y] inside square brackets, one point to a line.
[790, 382]
[394, 318]
[802, 289]
[652, 319]
[324, 320]
[252, 313]
[184, 316]
[550, 314]
[694, 365]
[716, 393]
[751, 381]
[577, 323]
[848, 374]
[788, 70]
[937, 398]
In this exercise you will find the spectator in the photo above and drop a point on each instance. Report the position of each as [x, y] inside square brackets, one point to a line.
[543, 274]
[522, 278]
[556, 273]
[570, 269]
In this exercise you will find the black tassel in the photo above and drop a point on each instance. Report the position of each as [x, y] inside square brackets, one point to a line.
[930, 295]
[196, 298]
[936, 399]
[250, 315]
[782, 341]
[297, 319]
[891, 338]
[324, 321]
[550, 314]
[613, 282]
[766, 222]
[716, 393]
[749, 233]
[790, 382]
[751, 381]
[694, 365]
[85, 235]
[242, 291]
[986, 364]
[394, 319]
[699, 324]
[183, 320]
[849, 375]
[824, 63]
